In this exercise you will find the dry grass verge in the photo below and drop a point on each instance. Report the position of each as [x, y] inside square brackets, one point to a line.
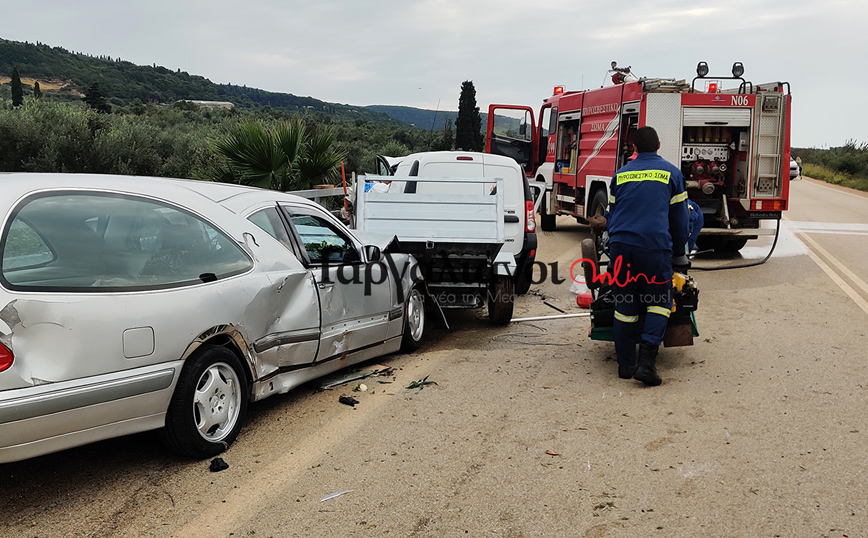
[836, 178]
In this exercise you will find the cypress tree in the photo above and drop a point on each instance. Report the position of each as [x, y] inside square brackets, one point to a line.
[17, 89]
[94, 99]
[468, 124]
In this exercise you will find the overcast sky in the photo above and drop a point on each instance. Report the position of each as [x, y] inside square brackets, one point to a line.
[417, 52]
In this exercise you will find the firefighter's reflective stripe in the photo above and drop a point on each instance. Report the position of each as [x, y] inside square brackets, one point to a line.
[626, 319]
[611, 199]
[643, 175]
[662, 310]
[678, 198]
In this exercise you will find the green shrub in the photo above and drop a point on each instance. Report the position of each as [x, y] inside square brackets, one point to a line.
[168, 141]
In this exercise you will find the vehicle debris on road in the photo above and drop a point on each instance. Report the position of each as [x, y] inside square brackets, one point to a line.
[217, 465]
[340, 379]
[348, 400]
[420, 384]
[333, 495]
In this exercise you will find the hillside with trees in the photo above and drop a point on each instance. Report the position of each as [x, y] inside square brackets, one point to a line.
[123, 82]
[62, 111]
[66, 75]
[420, 117]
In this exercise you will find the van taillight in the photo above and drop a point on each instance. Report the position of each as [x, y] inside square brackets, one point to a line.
[529, 221]
[6, 357]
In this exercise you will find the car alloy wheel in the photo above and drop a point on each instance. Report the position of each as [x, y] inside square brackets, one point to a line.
[208, 405]
[414, 321]
[216, 402]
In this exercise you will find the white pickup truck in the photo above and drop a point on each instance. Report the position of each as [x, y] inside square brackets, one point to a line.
[454, 227]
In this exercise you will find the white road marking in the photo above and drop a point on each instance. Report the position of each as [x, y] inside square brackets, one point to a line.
[846, 288]
[848, 273]
[833, 232]
[862, 303]
[810, 226]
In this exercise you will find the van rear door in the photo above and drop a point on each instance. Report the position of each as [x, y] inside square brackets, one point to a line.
[513, 202]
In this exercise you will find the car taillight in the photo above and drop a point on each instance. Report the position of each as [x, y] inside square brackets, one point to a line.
[529, 222]
[6, 357]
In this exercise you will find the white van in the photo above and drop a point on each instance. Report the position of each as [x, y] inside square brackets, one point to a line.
[519, 249]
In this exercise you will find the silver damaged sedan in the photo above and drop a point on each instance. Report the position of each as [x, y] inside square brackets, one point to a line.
[130, 304]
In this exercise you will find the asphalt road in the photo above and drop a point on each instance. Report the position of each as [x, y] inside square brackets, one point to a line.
[758, 429]
[832, 224]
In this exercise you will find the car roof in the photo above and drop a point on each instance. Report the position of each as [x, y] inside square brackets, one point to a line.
[448, 156]
[20, 184]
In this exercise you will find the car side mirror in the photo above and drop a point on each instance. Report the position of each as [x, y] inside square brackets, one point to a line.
[373, 253]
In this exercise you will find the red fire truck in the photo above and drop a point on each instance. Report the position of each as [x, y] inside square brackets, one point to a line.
[732, 145]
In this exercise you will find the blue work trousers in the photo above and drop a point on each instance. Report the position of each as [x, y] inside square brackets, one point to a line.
[643, 287]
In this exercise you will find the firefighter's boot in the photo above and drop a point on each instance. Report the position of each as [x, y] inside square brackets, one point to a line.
[626, 371]
[646, 370]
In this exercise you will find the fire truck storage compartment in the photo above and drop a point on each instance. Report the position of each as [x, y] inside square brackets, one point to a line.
[568, 142]
[715, 143]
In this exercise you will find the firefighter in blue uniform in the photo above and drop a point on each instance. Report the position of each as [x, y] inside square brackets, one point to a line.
[648, 232]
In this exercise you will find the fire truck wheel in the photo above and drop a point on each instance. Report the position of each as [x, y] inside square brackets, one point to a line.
[501, 300]
[598, 203]
[721, 244]
[731, 245]
[589, 252]
[598, 207]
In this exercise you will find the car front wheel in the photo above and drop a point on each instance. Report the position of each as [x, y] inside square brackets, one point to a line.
[414, 321]
[209, 404]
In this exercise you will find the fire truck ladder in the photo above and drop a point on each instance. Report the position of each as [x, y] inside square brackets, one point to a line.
[770, 116]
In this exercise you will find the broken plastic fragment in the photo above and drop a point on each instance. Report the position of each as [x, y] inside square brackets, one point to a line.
[334, 381]
[348, 400]
[333, 495]
[217, 465]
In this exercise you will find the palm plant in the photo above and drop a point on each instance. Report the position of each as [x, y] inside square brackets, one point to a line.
[281, 157]
[321, 159]
[262, 156]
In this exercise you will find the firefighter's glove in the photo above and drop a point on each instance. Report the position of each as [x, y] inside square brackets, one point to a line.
[680, 264]
[598, 224]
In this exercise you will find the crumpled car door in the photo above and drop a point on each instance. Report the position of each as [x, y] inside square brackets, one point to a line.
[355, 298]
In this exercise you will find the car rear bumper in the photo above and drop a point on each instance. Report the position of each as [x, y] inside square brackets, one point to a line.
[46, 418]
[527, 255]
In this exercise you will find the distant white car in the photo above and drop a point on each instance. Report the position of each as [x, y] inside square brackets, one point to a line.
[795, 171]
[130, 304]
